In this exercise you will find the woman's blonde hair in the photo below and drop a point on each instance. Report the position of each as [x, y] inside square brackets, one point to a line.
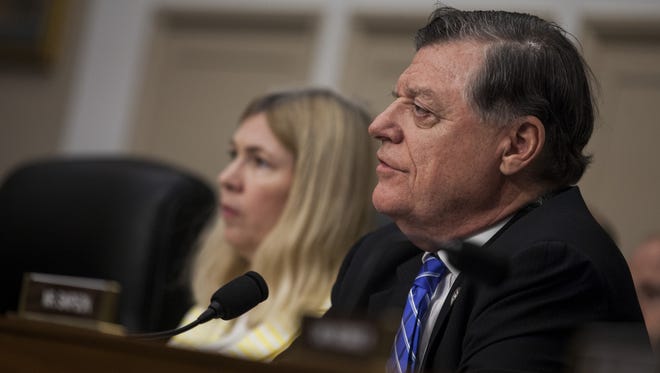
[328, 207]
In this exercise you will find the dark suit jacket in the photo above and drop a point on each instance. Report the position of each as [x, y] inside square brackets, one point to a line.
[565, 272]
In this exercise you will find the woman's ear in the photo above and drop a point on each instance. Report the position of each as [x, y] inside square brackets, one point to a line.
[523, 144]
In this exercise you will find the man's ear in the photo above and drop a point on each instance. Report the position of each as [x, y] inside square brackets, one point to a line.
[523, 143]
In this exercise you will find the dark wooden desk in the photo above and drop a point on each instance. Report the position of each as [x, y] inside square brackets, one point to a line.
[35, 346]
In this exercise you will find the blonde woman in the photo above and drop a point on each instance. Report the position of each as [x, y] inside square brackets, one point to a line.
[294, 198]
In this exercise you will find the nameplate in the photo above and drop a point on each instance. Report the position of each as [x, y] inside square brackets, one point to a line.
[58, 298]
[349, 337]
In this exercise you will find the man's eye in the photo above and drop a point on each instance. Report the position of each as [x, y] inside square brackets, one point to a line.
[232, 154]
[420, 110]
[424, 118]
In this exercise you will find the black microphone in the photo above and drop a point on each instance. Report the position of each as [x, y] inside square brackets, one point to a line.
[476, 262]
[230, 301]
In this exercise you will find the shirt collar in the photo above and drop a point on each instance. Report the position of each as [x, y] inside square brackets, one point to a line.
[479, 238]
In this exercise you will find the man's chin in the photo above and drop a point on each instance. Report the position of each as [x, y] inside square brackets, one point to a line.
[387, 202]
[421, 239]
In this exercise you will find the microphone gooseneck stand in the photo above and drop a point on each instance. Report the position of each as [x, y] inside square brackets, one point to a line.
[230, 301]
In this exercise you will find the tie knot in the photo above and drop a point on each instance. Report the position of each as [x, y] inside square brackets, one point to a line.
[431, 272]
[431, 263]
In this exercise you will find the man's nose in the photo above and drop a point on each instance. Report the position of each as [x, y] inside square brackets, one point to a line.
[386, 126]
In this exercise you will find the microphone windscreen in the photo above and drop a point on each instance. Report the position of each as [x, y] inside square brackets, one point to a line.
[240, 295]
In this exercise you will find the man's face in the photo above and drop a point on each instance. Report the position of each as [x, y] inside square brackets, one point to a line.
[645, 270]
[438, 173]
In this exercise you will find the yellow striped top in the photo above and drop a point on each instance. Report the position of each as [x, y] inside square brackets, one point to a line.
[262, 343]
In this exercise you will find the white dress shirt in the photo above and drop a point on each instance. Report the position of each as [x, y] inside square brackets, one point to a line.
[442, 291]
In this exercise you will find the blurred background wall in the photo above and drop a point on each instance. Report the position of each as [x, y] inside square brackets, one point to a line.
[167, 79]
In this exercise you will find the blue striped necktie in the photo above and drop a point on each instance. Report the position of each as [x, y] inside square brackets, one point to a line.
[404, 354]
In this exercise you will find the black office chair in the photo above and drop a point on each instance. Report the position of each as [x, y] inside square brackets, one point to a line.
[131, 220]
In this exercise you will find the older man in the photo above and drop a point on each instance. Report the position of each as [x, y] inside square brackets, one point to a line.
[645, 268]
[483, 143]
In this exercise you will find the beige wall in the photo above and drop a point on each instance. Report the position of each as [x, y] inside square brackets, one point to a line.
[623, 182]
[372, 66]
[200, 79]
[185, 107]
[203, 70]
[34, 98]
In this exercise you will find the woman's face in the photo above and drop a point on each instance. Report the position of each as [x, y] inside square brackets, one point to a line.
[255, 185]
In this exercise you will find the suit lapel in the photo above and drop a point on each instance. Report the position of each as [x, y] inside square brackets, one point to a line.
[393, 298]
[454, 294]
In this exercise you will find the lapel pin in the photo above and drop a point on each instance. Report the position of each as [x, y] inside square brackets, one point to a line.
[454, 295]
